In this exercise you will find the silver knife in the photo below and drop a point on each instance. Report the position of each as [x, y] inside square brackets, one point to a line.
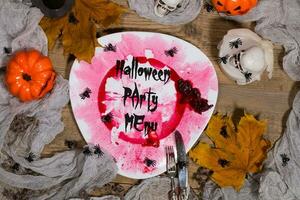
[181, 166]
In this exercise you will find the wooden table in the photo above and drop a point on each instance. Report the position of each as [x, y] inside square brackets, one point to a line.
[268, 99]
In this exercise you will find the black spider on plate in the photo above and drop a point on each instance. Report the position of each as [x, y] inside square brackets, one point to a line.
[107, 118]
[235, 44]
[86, 94]
[110, 47]
[149, 163]
[98, 151]
[171, 52]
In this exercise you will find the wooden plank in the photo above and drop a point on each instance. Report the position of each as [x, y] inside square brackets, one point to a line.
[111, 189]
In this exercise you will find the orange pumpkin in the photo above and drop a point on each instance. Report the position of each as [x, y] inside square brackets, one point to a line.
[234, 7]
[29, 75]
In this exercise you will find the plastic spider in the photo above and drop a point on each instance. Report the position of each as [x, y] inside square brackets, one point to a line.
[208, 7]
[171, 52]
[223, 162]
[248, 76]
[86, 151]
[7, 50]
[98, 151]
[224, 132]
[285, 159]
[72, 19]
[16, 167]
[181, 165]
[107, 118]
[223, 59]
[110, 47]
[71, 144]
[149, 162]
[30, 157]
[86, 93]
[236, 43]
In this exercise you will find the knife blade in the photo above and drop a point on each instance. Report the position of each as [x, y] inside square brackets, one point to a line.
[181, 165]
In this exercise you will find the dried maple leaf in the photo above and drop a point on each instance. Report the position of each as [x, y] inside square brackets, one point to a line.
[78, 29]
[234, 153]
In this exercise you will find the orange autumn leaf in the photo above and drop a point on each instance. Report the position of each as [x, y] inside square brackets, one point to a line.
[77, 28]
[235, 153]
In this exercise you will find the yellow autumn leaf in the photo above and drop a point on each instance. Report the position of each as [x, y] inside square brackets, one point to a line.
[235, 153]
[77, 28]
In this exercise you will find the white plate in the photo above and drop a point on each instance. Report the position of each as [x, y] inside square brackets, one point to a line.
[100, 113]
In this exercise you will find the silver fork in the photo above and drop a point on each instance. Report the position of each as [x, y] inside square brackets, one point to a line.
[171, 170]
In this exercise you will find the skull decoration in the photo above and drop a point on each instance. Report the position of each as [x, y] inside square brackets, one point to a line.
[244, 56]
[164, 7]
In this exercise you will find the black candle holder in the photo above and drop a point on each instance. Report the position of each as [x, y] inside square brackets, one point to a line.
[53, 8]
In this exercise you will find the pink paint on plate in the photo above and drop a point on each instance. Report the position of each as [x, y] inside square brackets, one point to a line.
[128, 100]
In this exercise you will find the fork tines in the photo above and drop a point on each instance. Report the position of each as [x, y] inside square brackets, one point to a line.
[171, 165]
[171, 170]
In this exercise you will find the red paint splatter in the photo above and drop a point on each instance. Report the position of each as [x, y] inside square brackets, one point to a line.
[148, 169]
[169, 126]
[152, 140]
[129, 155]
[192, 96]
